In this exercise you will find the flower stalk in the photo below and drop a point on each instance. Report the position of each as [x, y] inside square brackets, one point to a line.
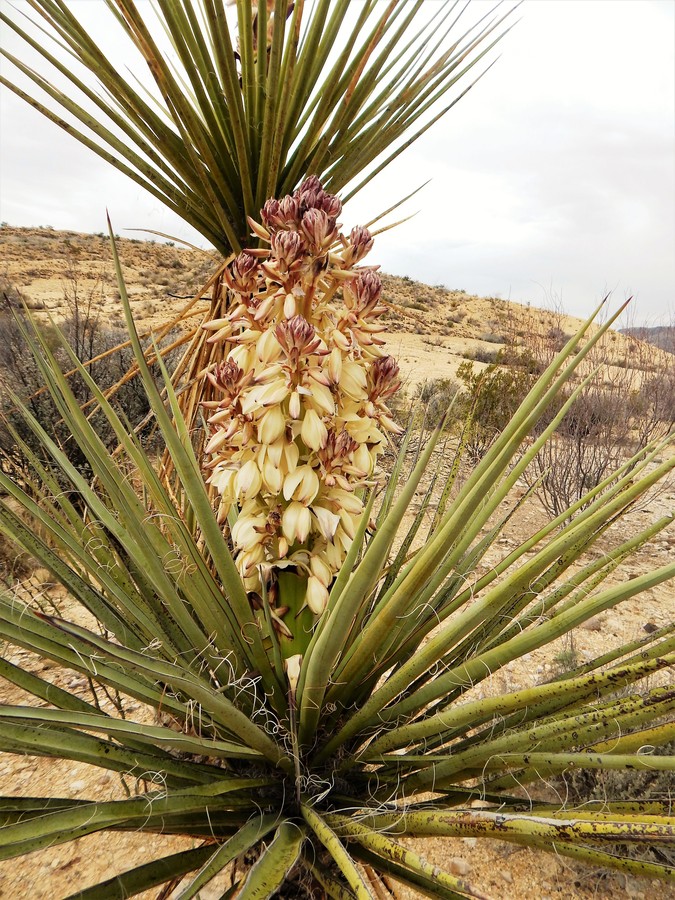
[300, 416]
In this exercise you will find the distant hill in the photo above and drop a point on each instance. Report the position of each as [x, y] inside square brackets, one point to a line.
[431, 330]
[662, 336]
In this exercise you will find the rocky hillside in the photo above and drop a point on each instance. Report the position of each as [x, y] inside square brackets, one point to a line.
[431, 330]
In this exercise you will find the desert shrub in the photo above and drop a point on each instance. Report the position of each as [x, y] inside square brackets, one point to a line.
[89, 338]
[490, 399]
[11, 295]
[434, 397]
[607, 424]
[484, 355]
[491, 338]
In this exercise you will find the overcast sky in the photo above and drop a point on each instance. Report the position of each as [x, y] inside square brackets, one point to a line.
[553, 180]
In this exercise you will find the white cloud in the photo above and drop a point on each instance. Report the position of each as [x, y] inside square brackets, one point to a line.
[554, 175]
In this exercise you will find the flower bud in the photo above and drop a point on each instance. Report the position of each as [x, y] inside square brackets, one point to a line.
[360, 244]
[311, 183]
[367, 287]
[316, 596]
[293, 664]
[278, 214]
[287, 247]
[319, 229]
[314, 433]
[329, 203]
[288, 210]
[270, 212]
[242, 274]
[296, 522]
[383, 378]
[297, 336]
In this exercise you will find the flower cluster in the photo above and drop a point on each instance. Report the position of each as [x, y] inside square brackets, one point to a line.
[300, 414]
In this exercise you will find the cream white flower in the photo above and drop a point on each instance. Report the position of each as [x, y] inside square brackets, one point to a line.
[296, 522]
[247, 531]
[271, 425]
[327, 521]
[302, 484]
[248, 480]
[313, 432]
[272, 477]
[303, 386]
[321, 570]
[317, 595]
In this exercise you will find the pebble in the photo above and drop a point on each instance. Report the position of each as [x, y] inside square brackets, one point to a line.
[470, 842]
[594, 624]
[458, 866]
[78, 785]
[507, 876]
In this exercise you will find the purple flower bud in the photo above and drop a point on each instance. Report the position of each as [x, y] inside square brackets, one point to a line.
[229, 379]
[242, 273]
[288, 210]
[270, 212]
[361, 241]
[287, 246]
[319, 229]
[367, 288]
[282, 213]
[297, 334]
[311, 183]
[383, 377]
[329, 203]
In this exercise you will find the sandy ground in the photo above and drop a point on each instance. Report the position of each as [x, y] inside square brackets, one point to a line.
[498, 869]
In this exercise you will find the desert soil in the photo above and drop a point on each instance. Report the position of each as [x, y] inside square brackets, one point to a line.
[431, 331]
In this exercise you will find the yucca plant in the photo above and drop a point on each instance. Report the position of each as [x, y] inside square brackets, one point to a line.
[308, 654]
[248, 104]
[308, 659]
[243, 104]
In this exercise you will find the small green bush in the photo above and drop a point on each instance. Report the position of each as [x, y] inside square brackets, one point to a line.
[491, 397]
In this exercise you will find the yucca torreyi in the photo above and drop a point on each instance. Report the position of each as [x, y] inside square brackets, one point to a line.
[311, 734]
[342, 89]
